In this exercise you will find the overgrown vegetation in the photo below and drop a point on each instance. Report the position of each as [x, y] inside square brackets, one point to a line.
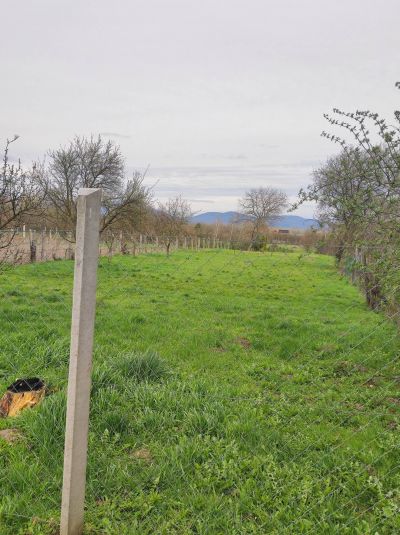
[232, 393]
[358, 195]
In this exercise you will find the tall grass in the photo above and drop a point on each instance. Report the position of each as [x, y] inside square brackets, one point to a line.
[231, 393]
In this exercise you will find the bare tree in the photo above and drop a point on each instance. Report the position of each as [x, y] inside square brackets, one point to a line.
[21, 196]
[260, 206]
[93, 163]
[171, 220]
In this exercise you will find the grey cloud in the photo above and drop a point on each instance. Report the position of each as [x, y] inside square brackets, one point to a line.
[115, 134]
[265, 146]
[220, 157]
[205, 201]
[237, 157]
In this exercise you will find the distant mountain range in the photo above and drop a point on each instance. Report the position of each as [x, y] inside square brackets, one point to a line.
[283, 221]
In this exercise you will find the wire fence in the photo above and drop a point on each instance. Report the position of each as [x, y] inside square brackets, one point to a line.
[232, 392]
[21, 246]
[30, 244]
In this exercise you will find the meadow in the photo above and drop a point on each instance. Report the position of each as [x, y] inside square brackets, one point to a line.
[233, 393]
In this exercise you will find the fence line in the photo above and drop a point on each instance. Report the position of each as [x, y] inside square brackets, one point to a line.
[21, 246]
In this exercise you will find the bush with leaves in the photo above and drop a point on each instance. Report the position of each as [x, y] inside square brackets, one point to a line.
[358, 195]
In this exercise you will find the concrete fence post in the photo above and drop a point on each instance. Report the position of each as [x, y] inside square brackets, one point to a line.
[79, 379]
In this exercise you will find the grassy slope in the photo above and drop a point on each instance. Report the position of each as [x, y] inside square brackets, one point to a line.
[267, 420]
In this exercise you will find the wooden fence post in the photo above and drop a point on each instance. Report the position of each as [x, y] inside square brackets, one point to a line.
[79, 379]
[42, 235]
[32, 249]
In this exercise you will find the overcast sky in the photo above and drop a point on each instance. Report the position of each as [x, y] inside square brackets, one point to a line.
[216, 95]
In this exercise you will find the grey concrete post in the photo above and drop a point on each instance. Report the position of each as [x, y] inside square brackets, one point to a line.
[79, 379]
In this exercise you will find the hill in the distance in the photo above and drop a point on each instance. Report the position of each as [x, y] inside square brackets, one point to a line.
[283, 221]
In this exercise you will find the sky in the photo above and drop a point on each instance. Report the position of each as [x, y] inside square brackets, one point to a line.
[216, 96]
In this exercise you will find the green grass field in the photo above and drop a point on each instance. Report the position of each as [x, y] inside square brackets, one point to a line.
[233, 393]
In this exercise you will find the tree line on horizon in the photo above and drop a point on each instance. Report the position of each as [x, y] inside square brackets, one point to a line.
[357, 193]
[45, 195]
